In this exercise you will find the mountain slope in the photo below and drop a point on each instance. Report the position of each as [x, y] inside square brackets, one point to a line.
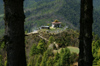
[48, 11]
[66, 11]
[43, 12]
[1, 6]
[1, 18]
[96, 3]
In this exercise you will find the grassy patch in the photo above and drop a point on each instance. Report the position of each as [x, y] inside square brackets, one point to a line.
[73, 49]
[52, 28]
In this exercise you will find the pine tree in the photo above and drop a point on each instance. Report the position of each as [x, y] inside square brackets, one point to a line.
[51, 39]
[62, 51]
[34, 50]
[58, 63]
[65, 58]
[41, 46]
[49, 62]
[44, 59]
[56, 57]
[38, 61]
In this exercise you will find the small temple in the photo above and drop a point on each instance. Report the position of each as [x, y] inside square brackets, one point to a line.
[56, 24]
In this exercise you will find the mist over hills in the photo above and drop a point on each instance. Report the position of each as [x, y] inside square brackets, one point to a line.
[43, 12]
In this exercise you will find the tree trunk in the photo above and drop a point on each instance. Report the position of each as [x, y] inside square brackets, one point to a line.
[14, 30]
[85, 45]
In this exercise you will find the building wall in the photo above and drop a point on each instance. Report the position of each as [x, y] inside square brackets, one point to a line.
[52, 25]
[56, 25]
[45, 27]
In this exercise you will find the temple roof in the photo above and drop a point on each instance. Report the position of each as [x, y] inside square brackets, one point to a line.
[56, 22]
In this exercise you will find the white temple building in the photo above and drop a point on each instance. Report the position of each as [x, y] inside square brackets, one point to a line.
[56, 24]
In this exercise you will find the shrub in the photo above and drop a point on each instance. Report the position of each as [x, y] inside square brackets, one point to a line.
[51, 39]
[33, 50]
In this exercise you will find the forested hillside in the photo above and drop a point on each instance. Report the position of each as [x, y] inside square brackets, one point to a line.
[43, 12]
[1, 18]
[1, 6]
[55, 51]
[97, 4]
[47, 11]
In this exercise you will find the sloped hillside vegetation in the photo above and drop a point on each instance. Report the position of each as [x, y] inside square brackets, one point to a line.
[53, 52]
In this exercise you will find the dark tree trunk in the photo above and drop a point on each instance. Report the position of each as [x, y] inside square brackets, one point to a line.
[14, 30]
[85, 45]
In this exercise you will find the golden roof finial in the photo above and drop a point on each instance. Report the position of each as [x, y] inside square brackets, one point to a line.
[56, 20]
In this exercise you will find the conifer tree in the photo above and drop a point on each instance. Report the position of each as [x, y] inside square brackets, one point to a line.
[56, 57]
[44, 59]
[38, 61]
[49, 62]
[62, 51]
[58, 63]
[41, 46]
[33, 50]
[65, 57]
[51, 39]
